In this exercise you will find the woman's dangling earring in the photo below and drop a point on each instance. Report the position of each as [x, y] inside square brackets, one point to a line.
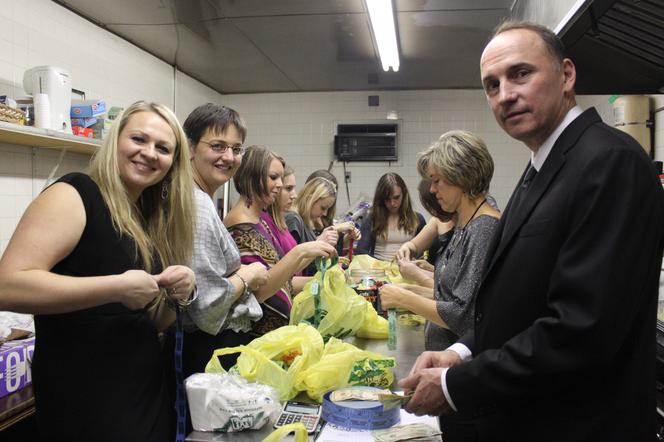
[249, 202]
[164, 190]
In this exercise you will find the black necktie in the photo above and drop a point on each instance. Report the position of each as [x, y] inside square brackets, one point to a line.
[519, 194]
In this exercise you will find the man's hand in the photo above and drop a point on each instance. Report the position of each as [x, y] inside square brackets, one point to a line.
[435, 359]
[429, 397]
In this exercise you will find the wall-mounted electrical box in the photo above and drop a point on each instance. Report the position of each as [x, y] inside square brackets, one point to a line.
[366, 142]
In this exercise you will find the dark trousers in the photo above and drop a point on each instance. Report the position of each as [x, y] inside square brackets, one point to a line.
[457, 428]
[197, 350]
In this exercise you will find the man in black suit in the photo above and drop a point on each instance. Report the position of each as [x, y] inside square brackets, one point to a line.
[564, 341]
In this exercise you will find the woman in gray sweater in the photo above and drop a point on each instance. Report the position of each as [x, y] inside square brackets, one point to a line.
[460, 169]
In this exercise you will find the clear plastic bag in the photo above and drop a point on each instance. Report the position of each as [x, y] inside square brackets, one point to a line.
[228, 403]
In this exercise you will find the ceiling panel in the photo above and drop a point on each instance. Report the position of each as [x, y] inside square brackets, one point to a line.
[237, 46]
[263, 8]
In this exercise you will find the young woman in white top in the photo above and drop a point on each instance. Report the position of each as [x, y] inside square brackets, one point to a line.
[391, 222]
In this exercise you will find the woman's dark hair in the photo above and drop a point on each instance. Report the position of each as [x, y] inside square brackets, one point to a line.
[429, 201]
[215, 117]
[407, 218]
[251, 177]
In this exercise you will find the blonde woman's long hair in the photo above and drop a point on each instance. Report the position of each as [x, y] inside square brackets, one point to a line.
[161, 226]
[275, 210]
[312, 191]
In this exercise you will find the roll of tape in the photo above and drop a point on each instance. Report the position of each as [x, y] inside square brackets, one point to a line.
[360, 415]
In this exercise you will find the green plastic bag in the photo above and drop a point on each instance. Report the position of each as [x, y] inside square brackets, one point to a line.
[276, 358]
[342, 365]
[343, 312]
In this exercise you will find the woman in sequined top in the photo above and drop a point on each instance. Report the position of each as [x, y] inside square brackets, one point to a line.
[460, 169]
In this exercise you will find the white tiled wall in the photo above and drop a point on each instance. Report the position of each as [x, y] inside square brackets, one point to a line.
[38, 32]
[301, 128]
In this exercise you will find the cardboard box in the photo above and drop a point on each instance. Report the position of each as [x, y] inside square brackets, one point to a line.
[83, 122]
[82, 131]
[15, 363]
[87, 109]
[101, 128]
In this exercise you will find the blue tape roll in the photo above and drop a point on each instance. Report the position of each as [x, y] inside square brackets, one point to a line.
[360, 415]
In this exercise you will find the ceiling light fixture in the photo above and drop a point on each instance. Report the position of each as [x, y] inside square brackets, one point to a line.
[381, 16]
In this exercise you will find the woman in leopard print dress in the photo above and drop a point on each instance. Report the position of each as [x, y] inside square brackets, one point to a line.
[259, 183]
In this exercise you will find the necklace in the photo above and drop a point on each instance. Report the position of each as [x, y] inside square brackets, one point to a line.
[457, 236]
[474, 213]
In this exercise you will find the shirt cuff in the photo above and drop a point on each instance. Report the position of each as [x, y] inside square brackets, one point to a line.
[464, 352]
[466, 355]
[443, 382]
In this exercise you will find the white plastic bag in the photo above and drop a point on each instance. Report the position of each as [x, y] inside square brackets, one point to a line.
[228, 403]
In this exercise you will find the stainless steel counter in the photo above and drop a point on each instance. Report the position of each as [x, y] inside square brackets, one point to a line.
[410, 344]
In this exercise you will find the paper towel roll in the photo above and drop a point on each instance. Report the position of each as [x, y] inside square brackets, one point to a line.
[630, 109]
[42, 107]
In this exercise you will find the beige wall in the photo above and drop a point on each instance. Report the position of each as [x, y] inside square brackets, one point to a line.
[300, 126]
[38, 32]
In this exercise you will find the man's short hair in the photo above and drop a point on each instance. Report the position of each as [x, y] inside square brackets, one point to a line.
[552, 43]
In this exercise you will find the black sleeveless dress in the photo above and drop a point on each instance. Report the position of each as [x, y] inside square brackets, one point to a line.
[98, 373]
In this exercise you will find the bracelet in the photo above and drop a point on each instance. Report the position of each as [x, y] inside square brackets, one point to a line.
[187, 302]
[244, 283]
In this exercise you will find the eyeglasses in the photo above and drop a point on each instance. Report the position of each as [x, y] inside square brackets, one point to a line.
[221, 147]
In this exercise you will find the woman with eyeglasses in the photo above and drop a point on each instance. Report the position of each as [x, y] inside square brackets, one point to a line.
[225, 307]
[460, 169]
[259, 183]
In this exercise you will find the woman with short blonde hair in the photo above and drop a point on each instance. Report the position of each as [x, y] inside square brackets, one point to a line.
[460, 168]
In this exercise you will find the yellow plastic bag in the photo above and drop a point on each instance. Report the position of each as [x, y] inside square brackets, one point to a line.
[343, 312]
[276, 358]
[343, 365]
[298, 428]
[373, 326]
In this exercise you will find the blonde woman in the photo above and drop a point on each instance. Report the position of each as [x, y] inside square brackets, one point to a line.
[328, 219]
[89, 255]
[276, 213]
[308, 221]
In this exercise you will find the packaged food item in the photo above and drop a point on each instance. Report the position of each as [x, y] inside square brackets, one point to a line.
[87, 108]
[228, 403]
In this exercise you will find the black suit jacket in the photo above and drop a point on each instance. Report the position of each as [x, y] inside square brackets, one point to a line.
[564, 339]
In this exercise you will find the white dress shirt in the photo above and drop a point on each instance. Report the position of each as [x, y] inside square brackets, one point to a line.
[537, 160]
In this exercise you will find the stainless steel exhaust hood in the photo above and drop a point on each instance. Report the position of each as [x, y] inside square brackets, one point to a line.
[617, 45]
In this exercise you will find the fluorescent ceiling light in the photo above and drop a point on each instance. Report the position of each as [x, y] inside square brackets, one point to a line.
[384, 31]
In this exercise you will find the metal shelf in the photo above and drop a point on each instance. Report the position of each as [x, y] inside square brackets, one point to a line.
[46, 139]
